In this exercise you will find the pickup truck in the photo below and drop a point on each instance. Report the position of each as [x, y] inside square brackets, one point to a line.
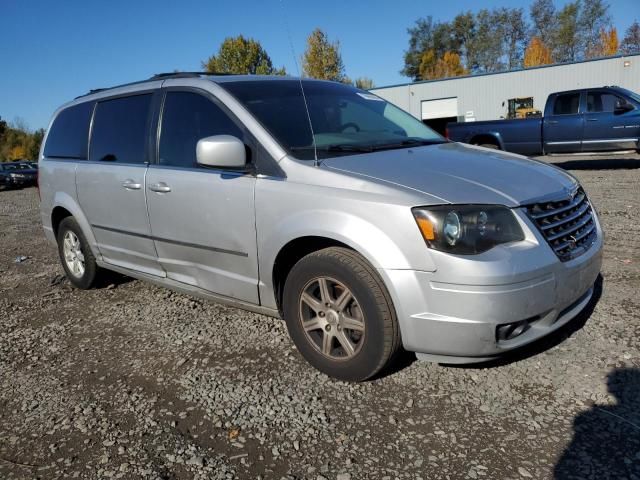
[589, 120]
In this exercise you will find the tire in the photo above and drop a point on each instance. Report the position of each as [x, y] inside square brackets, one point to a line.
[86, 277]
[493, 146]
[353, 341]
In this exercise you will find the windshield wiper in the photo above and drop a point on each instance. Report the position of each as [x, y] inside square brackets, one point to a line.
[346, 147]
[368, 148]
[409, 142]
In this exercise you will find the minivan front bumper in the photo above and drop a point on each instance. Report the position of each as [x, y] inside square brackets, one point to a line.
[456, 314]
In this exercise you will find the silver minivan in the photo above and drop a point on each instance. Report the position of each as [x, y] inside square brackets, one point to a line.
[322, 204]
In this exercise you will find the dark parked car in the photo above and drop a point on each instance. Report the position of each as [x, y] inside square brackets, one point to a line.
[589, 120]
[17, 174]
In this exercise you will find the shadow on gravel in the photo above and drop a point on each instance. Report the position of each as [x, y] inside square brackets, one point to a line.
[599, 164]
[606, 439]
[403, 360]
[545, 343]
[111, 279]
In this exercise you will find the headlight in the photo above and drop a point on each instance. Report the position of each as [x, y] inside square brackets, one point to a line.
[467, 229]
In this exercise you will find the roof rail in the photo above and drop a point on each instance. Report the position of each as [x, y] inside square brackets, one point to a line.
[157, 76]
[160, 76]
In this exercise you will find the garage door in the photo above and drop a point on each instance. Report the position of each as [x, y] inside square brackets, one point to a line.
[442, 107]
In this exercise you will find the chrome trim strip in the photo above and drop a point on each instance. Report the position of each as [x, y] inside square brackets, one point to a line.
[168, 240]
[578, 213]
[576, 201]
[584, 221]
[611, 140]
[572, 142]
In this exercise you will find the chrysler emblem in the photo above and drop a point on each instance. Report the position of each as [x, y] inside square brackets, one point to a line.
[572, 242]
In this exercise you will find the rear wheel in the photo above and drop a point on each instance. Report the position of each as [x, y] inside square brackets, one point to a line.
[75, 254]
[340, 315]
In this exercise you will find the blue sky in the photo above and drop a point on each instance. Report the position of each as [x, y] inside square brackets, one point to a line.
[52, 51]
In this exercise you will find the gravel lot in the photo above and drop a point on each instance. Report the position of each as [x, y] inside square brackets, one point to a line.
[134, 381]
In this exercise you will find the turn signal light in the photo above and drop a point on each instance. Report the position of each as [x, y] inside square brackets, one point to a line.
[426, 227]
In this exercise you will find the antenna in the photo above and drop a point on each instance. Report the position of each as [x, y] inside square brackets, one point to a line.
[304, 97]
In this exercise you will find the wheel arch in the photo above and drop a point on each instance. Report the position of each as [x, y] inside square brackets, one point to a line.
[65, 206]
[295, 236]
[292, 253]
[487, 138]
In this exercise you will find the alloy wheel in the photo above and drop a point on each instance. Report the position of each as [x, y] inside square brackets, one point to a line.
[332, 318]
[73, 256]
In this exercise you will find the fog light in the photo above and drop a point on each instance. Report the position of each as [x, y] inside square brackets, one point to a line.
[510, 331]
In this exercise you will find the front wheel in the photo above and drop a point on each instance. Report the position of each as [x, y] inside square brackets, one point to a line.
[75, 254]
[340, 315]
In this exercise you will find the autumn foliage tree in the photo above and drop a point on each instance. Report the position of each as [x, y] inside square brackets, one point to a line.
[449, 65]
[18, 142]
[608, 44]
[242, 56]
[322, 58]
[537, 53]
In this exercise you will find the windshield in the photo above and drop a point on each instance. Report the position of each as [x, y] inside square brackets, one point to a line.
[344, 119]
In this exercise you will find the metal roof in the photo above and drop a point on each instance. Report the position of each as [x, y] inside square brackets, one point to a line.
[506, 71]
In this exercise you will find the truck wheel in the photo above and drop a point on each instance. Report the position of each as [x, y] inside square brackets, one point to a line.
[75, 254]
[340, 315]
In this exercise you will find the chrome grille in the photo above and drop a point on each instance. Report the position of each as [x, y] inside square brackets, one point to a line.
[568, 225]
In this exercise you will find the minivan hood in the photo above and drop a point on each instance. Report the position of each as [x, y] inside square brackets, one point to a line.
[457, 173]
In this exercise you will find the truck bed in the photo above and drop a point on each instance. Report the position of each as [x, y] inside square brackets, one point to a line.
[522, 136]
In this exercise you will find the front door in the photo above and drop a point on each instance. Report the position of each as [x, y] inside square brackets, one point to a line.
[563, 126]
[606, 130]
[110, 185]
[202, 219]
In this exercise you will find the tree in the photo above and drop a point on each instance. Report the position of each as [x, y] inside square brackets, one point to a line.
[427, 67]
[514, 29]
[33, 144]
[364, 83]
[593, 19]
[17, 153]
[424, 36]
[566, 42]
[449, 65]
[537, 53]
[322, 58]
[544, 19]
[608, 43]
[464, 33]
[3, 128]
[488, 41]
[242, 56]
[631, 41]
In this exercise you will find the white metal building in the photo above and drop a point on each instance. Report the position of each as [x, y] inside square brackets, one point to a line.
[486, 96]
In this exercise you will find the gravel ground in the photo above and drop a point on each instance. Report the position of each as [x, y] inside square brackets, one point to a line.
[134, 381]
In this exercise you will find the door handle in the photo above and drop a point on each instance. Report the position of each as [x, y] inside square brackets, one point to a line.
[131, 185]
[160, 187]
[592, 119]
[552, 122]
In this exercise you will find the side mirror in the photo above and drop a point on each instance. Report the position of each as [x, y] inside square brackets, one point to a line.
[622, 106]
[223, 151]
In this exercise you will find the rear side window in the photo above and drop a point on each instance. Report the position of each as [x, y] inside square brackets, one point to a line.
[567, 104]
[69, 133]
[186, 118]
[119, 131]
[601, 102]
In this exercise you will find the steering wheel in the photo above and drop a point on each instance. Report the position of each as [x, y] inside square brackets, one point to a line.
[349, 125]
